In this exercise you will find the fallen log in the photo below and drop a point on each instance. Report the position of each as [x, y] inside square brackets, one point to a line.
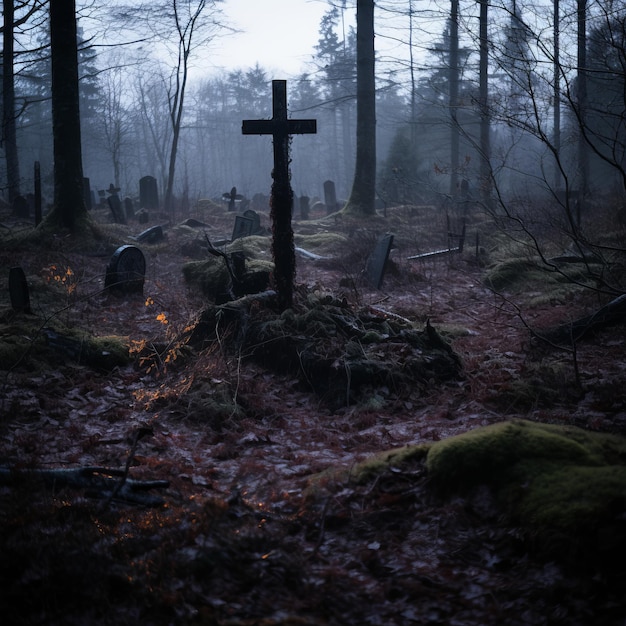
[99, 482]
[612, 313]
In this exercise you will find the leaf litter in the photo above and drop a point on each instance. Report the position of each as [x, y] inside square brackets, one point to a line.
[265, 521]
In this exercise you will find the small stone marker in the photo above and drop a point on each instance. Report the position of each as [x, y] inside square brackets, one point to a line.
[18, 290]
[126, 270]
[281, 127]
[304, 207]
[243, 227]
[148, 193]
[330, 197]
[256, 221]
[231, 197]
[375, 267]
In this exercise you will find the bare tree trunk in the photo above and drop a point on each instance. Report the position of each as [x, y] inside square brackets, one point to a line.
[69, 201]
[9, 135]
[483, 97]
[454, 99]
[581, 100]
[363, 194]
[558, 178]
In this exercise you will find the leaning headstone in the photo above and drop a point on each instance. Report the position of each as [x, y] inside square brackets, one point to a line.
[126, 270]
[330, 197]
[242, 228]
[115, 204]
[18, 290]
[148, 193]
[151, 235]
[375, 267]
[256, 221]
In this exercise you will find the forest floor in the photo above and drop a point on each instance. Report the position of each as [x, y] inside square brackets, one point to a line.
[261, 522]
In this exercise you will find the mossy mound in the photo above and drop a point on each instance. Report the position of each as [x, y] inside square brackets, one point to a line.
[213, 278]
[560, 482]
[338, 352]
[26, 343]
[523, 274]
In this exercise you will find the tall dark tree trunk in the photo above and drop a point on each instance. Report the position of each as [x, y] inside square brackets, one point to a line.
[483, 103]
[454, 99]
[363, 195]
[581, 101]
[558, 176]
[9, 135]
[69, 203]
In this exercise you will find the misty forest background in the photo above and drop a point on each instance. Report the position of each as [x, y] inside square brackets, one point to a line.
[519, 104]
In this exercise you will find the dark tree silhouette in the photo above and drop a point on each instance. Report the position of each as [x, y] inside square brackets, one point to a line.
[363, 194]
[69, 203]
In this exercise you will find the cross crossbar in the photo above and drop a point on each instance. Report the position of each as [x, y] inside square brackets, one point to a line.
[279, 126]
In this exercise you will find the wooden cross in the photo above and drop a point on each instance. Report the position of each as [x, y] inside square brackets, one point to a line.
[281, 128]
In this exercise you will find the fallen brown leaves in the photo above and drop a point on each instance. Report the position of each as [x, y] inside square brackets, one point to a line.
[243, 539]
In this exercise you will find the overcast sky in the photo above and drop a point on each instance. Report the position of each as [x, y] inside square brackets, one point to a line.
[279, 34]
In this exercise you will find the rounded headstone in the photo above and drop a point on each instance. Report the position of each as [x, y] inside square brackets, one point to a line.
[126, 270]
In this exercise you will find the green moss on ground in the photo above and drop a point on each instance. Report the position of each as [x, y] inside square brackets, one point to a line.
[546, 475]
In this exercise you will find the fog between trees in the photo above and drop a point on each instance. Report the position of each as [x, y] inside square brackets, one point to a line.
[552, 123]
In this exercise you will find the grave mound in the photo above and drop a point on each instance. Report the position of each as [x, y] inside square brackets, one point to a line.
[343, 355]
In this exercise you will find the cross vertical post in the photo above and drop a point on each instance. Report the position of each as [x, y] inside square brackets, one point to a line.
[281, 128]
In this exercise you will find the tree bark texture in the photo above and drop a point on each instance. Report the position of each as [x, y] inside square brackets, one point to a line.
[69, 203]
[363, 194]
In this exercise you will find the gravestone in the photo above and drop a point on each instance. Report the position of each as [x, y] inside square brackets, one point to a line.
[148, 193]
[129, 208]
[330, 197]
[256, 221]
[18, 290]
[232, 197]
[115, 204]
[143, 217]
[281, 128]
[242, 228]
[377, 261]
[304, 207]
[126, 270]
[151, 235]
[87, 193]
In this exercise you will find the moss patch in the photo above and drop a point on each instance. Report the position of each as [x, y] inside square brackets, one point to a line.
[547, 476]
